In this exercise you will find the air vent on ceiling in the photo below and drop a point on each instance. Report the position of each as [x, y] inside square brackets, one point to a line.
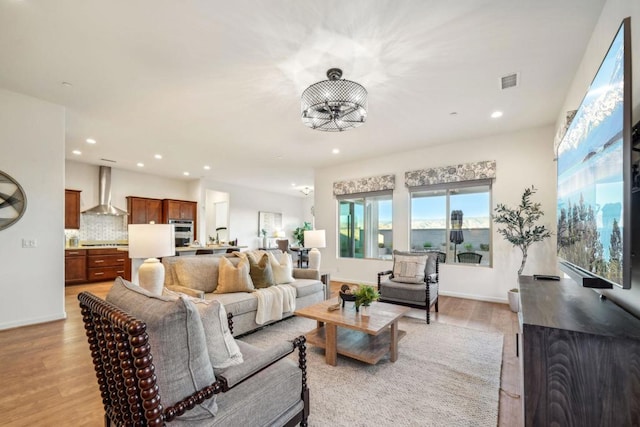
[109, 160]
[509, 81]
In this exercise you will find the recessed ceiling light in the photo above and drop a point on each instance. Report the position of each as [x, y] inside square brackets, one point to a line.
[335, 150]
[185, 173]
[158, 156]
[496, 114]
[66, 84]
[293, 184]
[207, 167]
[90, 141]
[140, 164]
[77, 152]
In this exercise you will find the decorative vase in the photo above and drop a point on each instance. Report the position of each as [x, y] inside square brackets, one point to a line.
[264, 242]
[364, 310]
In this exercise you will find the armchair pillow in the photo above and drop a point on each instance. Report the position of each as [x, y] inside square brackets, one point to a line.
[221, 346]
[409, 267]
[234, 278]
[171, 323]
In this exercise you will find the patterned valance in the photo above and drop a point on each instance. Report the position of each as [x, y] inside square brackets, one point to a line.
[364, 185]
[453, 173]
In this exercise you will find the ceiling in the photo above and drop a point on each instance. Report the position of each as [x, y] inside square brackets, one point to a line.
[215, 83]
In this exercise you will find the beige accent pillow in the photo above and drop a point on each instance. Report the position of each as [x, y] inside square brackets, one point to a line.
[261, 272]
[409, 268]
[282, 267]
[232, 278]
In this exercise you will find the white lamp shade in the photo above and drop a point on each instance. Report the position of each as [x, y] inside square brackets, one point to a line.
[151, 240]
[314, 239]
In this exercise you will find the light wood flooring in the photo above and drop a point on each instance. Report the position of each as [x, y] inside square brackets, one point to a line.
[47, 378]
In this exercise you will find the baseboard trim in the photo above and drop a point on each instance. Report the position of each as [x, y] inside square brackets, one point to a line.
[35, 321]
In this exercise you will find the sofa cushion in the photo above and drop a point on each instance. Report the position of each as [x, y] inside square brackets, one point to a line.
[177, 340]
[221, 346]
[405, 292]
[306, 287]
[234, 278]
[236, 303]
[197, 272]
[409, 267]
[260, 271]
[282, 266]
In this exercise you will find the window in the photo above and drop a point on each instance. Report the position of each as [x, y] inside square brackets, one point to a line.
[365, 226]
[435, 224]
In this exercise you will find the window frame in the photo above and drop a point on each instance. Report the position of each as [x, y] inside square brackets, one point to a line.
[364, 196]
[448, 188]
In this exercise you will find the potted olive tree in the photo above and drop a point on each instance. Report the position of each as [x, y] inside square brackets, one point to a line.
[520, 228]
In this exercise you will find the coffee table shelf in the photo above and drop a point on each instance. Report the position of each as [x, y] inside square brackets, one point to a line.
[355, 344]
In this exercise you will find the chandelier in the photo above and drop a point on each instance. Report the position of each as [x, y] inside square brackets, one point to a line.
[334, 105]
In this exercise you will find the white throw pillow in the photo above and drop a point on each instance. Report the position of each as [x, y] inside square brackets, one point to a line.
[282, 267]
[409, 268]
[234, 278]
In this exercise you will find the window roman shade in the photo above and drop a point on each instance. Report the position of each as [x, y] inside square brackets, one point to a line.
[448, 174]
[364, 185]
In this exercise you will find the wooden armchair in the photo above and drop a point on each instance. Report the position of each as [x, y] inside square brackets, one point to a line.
[419, 293]
[126, 375]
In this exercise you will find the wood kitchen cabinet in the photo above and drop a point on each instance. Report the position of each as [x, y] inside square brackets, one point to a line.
[105, 264]
[72, 209]
[143, 210]
[179, 209]
[75, 266]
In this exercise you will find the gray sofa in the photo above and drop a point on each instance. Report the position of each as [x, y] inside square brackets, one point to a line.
[197, 276]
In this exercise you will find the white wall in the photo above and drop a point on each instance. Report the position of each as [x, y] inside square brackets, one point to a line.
[32, 280]
[84, 177]
[244, 205]
[522, 158]
[613, 12]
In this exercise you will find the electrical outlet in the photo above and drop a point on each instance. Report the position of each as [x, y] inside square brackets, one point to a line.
[29, 243]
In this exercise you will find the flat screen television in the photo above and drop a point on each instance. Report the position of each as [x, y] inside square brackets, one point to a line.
[594, 176]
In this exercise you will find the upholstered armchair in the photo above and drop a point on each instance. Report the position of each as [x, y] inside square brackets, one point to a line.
[181, 365]
[412, 282]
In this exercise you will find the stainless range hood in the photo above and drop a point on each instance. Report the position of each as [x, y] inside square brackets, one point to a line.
[104, 196]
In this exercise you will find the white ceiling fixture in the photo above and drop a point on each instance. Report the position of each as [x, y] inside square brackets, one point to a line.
[157, 156]
[90, 141]
[207, 167]
[497, 114]
[140, 164]
[306, 191]
[77, 152]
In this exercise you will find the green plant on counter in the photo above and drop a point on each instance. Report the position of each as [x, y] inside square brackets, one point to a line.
[298, 233]
[365, 295]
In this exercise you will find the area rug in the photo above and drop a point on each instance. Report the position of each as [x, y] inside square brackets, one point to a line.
[444, 376]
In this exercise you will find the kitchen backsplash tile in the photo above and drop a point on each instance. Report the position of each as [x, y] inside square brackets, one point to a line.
[100, 227]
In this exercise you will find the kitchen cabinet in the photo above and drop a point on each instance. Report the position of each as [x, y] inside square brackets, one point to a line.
[143, 210]
[180, 209]
[105, 264]
[75, 266]
[72, 209]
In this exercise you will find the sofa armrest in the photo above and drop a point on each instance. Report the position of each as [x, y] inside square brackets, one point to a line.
[306, 273]
[188, 291]
[234, 375]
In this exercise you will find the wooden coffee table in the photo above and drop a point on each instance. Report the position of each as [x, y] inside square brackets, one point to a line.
[346, 332]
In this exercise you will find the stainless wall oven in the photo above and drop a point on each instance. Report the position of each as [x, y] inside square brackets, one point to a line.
[184, 232]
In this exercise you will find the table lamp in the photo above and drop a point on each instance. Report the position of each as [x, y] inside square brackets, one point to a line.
[151, 241]
[314, 239]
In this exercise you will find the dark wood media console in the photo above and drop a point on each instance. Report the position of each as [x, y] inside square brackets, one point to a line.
[580, 357]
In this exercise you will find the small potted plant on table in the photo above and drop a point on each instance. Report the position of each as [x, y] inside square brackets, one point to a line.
[365, 295]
